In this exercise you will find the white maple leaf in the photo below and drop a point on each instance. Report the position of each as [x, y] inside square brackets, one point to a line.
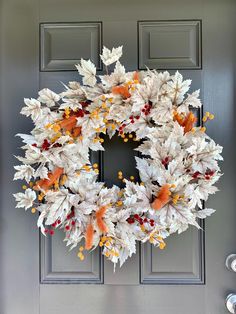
[205, 213]
[23, 172]
[162, 112]
[48, 97]
[177, 88]
[26, 199]
[71, 103]
[116, 78]
[110, 56]
[27, 139]
[88, 70]
[147, 172]
[191, 101]
[41, 172]
[59, 204]
[33, 108]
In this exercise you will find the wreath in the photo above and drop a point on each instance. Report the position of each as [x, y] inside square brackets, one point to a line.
[177, 163]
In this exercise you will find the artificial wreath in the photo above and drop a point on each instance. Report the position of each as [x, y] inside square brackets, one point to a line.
[177, 170]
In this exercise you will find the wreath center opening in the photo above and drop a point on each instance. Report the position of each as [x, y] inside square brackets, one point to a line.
[117, 161]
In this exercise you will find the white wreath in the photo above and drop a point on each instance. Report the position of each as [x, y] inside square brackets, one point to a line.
[178, 169]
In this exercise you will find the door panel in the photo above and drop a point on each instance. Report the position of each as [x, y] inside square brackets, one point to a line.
[40, 41]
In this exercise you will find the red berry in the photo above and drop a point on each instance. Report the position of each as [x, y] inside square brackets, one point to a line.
[130, 220]
[35, 145]
[54, 225]
[58, 221]
[145, 219]
[151, 221]
[132, 121]
[137, 117]
[143, 110]
[67, 227]
[46, 230]
[45, 145]
[136, 216]
[73, 223]
[51, 232]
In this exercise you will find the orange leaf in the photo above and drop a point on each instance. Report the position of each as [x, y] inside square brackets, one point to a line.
[101, 225]
[187, 122]
[89, 237]
[136, 76]
[121, 90]
[45, 184]
[162, 197]
[68, 124]
[99, 216]
[76, 131]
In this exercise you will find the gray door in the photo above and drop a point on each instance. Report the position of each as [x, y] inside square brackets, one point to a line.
[40, 40]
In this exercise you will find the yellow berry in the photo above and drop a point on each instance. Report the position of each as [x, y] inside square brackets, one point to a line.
[142, 228]
[203, 129]
[33, 210]
[47, 126]
[81, 256]
[107, 244]
[101, 140]
[119, 203]
[24, 187]
[81, 248]
[204, 119]
[95, 165]
[126, 140]
[96, 171]
[130, 135]
[120, 173]
[151, 240]
[131, 178]
[122, 135]
[103, 239]
[162, 245]
[211, 116]
[107, 253]
[141, 183]
[207, 114]
[56, 128]
[104, 105]
[100, 243]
